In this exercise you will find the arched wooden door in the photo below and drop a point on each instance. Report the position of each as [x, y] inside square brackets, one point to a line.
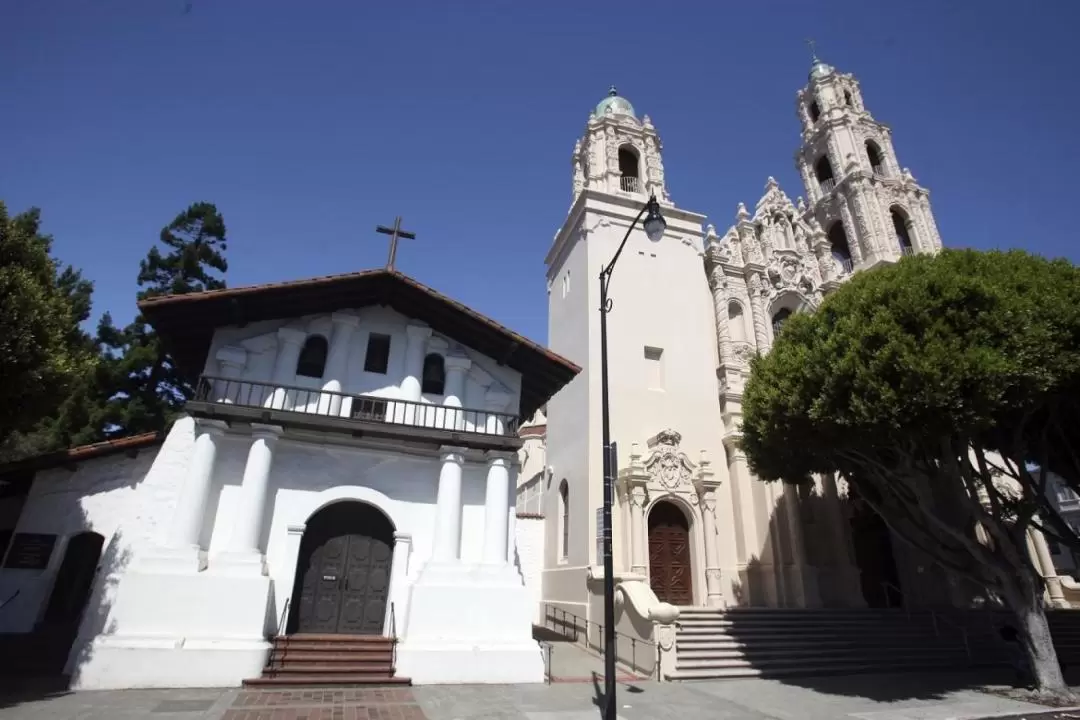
[74, 579]
[343, 573]
[669, 554]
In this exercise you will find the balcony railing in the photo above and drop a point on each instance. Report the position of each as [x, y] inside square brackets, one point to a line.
[827, 185]
[906, 249]
[308, 403]
[845, 265]
[879, 170]
[628, 183]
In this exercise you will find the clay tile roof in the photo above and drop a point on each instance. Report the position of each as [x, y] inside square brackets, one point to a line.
[79, 453]
[187, 322]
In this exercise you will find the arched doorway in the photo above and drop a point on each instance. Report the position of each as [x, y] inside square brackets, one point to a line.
[74, 580]
[670, 574]
[872, 542]
[343, 573]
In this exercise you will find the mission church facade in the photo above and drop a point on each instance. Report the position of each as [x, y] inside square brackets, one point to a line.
[692, 526]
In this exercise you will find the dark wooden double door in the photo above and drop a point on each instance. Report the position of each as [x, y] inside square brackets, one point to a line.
[669, 555]
[343, 573]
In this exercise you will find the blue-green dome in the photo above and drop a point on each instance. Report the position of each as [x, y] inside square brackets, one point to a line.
[619, 105]
[820, 69]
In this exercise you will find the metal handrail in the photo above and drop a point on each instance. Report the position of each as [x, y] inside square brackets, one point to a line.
[633, 640]
[362, 408]
[934, 617]
[886, 586]
[13, 596]
[393, 637]
[280, 632]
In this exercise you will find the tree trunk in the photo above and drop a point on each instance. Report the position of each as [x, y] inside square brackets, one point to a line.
[1029, 610]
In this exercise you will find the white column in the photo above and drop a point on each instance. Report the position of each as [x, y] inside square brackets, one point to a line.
[187, 523]
[497, 509]
[495, 402]
[337, 361]
[290, 342]
[231, 361]
[1044, 563]
[638, 540]
[714, 595]
[448, 506]
[254, 490]
[399, 576]
[457, 369]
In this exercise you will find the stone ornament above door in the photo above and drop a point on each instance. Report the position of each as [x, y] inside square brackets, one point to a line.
[665, 470]
[667, 466]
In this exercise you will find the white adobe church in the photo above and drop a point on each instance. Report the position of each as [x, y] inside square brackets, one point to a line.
[342, 488]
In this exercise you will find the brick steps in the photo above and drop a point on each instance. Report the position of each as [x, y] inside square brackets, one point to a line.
[311, 660]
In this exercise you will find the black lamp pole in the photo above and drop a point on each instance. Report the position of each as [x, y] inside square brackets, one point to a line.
[654, 228]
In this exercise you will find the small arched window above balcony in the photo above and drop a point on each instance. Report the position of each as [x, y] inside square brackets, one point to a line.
[434, 382]
[814, 111]
[736, 322]
[778, 320]
[824, 173]
[847, 98]
[902, 226]
[312, 360]
[876, 158]
[629, 173]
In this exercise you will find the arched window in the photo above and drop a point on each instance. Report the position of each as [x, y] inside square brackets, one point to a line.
[434, 382]
[902, 227]
[841, 251]
[778, 319]
[736, 322]
[628, 169]
[312, 361]
[847, 98]
[564, 518]
[824, 173]
[877, 161]
[815, 112]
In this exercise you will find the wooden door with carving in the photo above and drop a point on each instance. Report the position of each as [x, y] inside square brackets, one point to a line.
[343, 572]
[669, 554]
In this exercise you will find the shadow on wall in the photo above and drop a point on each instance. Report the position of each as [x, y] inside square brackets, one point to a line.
[74, 611]
[906, 615]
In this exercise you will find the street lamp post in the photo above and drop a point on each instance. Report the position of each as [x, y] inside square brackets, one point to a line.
[654, 228]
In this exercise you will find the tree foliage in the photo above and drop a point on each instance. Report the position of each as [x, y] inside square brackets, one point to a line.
[148, 388]
[44, 354]
[932, 386]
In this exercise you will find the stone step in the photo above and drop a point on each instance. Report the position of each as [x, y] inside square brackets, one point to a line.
[324, 680]
[378, 669]
[846, 668]
[323, 656]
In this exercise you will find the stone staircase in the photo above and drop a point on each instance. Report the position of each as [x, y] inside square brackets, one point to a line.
[773, 642]
[329, 660]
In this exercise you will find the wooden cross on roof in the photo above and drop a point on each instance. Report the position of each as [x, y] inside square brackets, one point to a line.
[394, 233]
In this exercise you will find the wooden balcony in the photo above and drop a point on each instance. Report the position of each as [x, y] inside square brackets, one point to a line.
[356, 415]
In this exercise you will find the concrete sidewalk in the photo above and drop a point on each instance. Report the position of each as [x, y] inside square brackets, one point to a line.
[898, 697]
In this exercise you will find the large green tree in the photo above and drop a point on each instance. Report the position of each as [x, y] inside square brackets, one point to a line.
[148, 388]
[941, 388]
[45, 356]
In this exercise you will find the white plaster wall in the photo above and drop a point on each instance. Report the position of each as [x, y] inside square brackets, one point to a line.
[676, 314]
[307, 476]
[127, 500]
[259, 340]
[529, 549]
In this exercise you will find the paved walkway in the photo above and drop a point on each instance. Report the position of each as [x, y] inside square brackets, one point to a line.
[903, 697]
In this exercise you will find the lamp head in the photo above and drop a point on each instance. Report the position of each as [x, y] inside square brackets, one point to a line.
[654, 222]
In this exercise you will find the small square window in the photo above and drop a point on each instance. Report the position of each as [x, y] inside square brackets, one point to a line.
[378, 354]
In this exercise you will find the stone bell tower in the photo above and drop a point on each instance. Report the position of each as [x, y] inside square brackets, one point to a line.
[871, 209]
[662, 356]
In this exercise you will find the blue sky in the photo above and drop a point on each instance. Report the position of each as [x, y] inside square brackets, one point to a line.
[308, 123]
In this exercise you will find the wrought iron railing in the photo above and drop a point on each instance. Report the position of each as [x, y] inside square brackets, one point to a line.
[906, 250]
[846, 265]
[879, 170]
[827, 185]
[358, 408]
[281, 628]
[570, 625]
[393, 638]
[629, 183]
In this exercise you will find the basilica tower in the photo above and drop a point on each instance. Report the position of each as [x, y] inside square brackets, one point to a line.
[661, 365]
[871, 209]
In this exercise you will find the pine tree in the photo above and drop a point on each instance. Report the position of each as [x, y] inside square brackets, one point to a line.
[149, 390]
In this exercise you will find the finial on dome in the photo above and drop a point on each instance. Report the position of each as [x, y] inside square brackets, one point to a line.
[612, 92]
[818, 68]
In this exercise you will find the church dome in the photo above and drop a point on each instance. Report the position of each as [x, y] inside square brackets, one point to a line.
[619, 105]
[820, 69]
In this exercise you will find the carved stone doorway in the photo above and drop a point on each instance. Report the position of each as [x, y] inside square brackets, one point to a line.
[872, 541]
[670, 574]
[343, 573]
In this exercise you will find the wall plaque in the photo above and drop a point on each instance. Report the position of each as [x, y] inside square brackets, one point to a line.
[30, 551]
